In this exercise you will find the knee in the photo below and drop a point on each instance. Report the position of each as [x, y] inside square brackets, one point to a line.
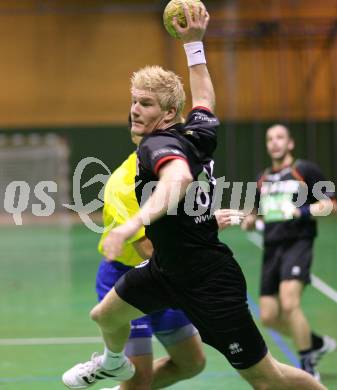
[288, 306]
[99, 315]
[187, 368]
[268, 318]
[193, 366]
[197, 365]
[95, 314]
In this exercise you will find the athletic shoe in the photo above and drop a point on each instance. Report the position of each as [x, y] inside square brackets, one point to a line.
[308, 364]
[84, 375]
[329, 345]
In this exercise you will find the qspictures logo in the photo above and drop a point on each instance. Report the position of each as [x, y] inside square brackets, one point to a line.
[18, 193]
[84, 210]
[203, 197]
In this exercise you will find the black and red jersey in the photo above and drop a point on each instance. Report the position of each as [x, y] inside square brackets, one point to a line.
[301, 183]
[183, 238]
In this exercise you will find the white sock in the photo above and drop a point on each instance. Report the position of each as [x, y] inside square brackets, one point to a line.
[112, 360]
[111, 388]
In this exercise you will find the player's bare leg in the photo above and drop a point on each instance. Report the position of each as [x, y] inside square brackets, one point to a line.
[186, 359]
[284, 314]
[113, 316]
[142, 380]
[272, 316]
[292, 313]
[269, 374]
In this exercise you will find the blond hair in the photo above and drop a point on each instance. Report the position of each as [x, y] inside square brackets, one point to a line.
[164, 83]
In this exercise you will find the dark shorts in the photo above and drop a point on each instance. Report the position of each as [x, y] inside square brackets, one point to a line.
[158, 322]
[215, 302]
[286, 261]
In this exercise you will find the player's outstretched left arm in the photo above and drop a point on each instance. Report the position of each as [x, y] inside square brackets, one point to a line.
[321, 208]
[200, 81]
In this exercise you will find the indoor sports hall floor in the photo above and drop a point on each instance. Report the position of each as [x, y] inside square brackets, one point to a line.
[47, 288]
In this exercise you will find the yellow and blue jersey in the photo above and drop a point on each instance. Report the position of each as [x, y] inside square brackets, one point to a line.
[120, 204]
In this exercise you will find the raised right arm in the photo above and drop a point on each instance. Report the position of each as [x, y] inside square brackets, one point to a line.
[200, 81]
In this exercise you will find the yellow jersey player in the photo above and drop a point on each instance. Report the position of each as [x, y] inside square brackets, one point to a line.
[171, 327]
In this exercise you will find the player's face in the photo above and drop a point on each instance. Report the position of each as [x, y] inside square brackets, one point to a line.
[146, 113]
[279, 143]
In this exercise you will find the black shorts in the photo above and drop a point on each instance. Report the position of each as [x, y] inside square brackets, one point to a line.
[286, 261]
[215, 302]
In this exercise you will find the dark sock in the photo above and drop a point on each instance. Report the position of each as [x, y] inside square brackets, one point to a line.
[304, 352]
[316, 341]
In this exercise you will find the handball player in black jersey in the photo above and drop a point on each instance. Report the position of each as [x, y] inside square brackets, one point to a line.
[190, 268]
[290, 193]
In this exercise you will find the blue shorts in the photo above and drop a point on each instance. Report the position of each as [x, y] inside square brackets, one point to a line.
[158, 322]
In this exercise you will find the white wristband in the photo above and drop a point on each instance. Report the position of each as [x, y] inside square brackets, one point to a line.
[195, 53]
[235, 220]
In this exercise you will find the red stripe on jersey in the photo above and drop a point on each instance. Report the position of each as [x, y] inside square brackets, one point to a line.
[165, 159]
[201, 108]
[297, 175]
[260, 181]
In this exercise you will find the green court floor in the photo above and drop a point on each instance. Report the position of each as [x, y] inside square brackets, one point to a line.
[47, 289]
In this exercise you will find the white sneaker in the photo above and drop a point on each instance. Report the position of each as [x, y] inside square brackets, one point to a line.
[84, 375]
[329, 345]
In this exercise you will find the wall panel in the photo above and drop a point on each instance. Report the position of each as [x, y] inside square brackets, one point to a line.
[69, 62]
[60, 69]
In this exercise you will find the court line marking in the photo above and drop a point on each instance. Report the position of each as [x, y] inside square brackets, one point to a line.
[324, 288]
[51, 341]
[254, 237]
[276, 337]
[205, 376]
[316, 282]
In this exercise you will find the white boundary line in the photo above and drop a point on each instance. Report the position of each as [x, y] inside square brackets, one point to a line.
[324, 288]
[318, 283]
[52, 341]
[254, 237]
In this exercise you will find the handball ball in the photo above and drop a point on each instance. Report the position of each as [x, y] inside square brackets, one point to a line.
[175, 9]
